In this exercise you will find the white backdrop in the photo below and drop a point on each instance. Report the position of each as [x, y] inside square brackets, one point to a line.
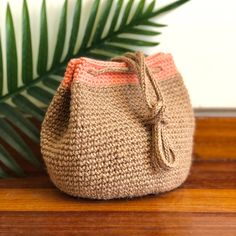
[201, 35]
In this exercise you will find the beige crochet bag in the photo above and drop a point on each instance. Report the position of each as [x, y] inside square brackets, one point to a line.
[120, 128]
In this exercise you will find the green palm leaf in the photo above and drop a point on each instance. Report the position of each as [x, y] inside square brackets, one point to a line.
[116, 15]
[12, 62]
[60, 36]
[139, 11]
[43, 42]
[11, 137]
[126, 13]
[1, 68]
[101, 23]
[9, 162]
[74, 29]
[150, 8]
[90, 25]
[27, 68]
[29, 96]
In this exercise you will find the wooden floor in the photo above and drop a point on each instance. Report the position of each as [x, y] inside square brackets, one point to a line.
[204, 205]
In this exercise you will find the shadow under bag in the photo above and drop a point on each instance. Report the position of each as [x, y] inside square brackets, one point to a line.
[119, 128]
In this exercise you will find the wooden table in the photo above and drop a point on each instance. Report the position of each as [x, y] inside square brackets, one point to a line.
[204, 205]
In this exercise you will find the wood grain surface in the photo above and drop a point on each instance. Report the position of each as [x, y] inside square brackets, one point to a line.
[215, 138]
[204, 205]
[118, 224]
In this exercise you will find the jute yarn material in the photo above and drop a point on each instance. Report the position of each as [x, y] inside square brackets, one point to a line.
[119, 128]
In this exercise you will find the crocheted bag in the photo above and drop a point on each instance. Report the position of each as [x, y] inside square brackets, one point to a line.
[120, 128]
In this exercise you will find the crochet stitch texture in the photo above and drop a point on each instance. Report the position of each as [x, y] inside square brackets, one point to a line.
[120, 128]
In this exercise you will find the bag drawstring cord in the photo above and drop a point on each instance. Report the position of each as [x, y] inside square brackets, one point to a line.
[163, 155]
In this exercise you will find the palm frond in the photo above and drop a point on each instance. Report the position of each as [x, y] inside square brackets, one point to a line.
[61, 36]
[10, 163]
[138, 11]
[43, 42]
[1, 68]
[27, 68]
[90, 25]
[11, 137]
[30, 95]
[116, 15]
[150, 8]
[74, 29]
[126, 14]
[12, 62]
[101, 23]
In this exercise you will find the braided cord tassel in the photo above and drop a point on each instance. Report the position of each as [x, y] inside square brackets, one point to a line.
[163, 154]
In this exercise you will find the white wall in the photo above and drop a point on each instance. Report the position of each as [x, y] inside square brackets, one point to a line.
[201, 35]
